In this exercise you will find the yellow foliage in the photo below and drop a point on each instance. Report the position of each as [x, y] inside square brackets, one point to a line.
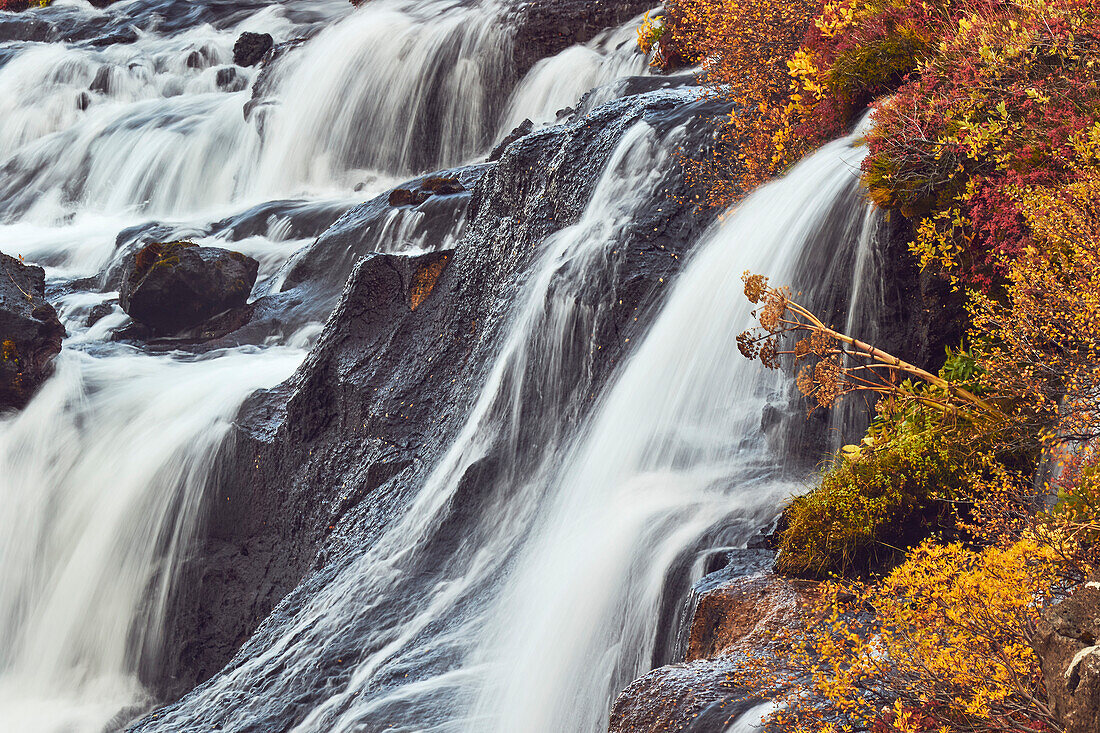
[940, 644]
[649, 33]
[1040, 343]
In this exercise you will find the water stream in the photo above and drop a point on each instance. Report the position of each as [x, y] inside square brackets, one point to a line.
[552, 601]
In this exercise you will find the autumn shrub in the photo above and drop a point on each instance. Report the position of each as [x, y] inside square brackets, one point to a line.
[982, 98]
[986, 135]
[942, 643]
[650, 33]
[969, 439]
[742, 47]
[15, 6]
[872, 504]
[1008, 102]
[1039, 341]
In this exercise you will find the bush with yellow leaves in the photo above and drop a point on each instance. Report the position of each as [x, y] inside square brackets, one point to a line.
[942, 643]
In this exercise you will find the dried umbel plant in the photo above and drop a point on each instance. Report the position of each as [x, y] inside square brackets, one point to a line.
[831, 364]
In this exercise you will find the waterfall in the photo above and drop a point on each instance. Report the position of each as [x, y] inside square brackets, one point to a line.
[387, 90]
[159, 126]
[673, 452]
[548, 602]
[523, 585]
[419, 616]
[95, 480]
[559, 82]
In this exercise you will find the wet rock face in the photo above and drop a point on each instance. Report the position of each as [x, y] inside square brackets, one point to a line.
[430, 186]
[177, 285]
[1067, 642]
[739, 613]
[691, 697]
[230, 80]
[320, 465]
[734, 614]
[251, 48]
[521, 130]
[547, 28]
[30, 332]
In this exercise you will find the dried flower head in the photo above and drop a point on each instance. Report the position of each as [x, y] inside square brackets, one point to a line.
[805, 380]
[755, 286]
[775, 306]
[827, 375]
[821, 343]
[769, 355]
[746, 344]
[802, 348]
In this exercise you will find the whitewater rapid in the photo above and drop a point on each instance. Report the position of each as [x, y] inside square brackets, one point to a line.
[553, 601]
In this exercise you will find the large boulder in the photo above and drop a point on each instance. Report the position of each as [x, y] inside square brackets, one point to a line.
[251, 48]
[176, 285]
[1067, 642]
[30, 333]
[738, 611]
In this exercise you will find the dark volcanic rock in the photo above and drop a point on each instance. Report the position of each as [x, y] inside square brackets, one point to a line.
[733, 616]
[324, 266]
[23, 28]
[30, 333]
[1066, 642]
[320, 465]
[98, 313]
[262, 87]
[920, 313]
[442, 185]
[230, 80]
[102, 81]
[177, 285]
[407, 197]
[546, 28]
[251, 48]
[522, 129]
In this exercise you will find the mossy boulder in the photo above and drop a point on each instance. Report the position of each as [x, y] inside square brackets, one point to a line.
[174, 286]
[30, 332]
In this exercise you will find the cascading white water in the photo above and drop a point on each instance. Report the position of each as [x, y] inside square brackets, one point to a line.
[102, 477]
[398, 86]
[547, 603]
[393, 88]
[424, 617]
[674, 450]
[103, 472]
[139, 126]
[560, 81]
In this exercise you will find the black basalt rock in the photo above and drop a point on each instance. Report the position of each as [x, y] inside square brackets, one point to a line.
[546, 28]
[320, 465]
[407, 197]
[229, 79]
[522, 129]
[30, 332]
[177, 285]
[251, 48]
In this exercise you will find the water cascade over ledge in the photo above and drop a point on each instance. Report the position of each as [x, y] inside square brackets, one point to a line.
[539, 560]
[550, 601]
